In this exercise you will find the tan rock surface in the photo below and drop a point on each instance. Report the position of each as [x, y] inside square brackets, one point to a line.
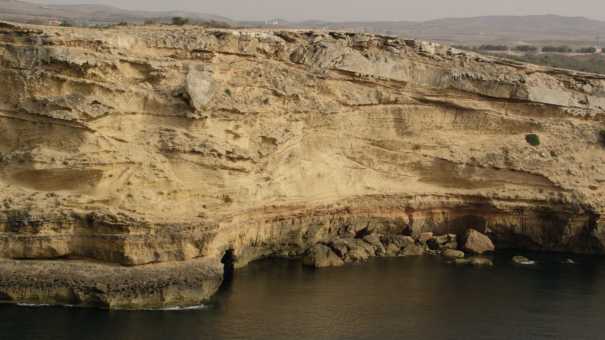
[477, 243]
[146, 145]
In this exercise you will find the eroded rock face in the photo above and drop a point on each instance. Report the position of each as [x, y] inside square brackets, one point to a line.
[147, 146]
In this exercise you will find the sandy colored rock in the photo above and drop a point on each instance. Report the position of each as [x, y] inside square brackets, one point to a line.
[522, 260]
[392, 250]
[412, 250]
[321, 256]
[374, 240]
[453, 254]
[425, 237]
[161, 146]
[479, 261]
[477, 243]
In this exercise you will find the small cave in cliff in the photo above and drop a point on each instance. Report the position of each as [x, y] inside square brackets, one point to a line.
[228, 261]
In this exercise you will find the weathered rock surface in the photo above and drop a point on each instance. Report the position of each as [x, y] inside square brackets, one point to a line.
[453, 254]
[91, 284]
[477, 243]
[479, 261]
[156, 147]
[321, 256]
[523, 260]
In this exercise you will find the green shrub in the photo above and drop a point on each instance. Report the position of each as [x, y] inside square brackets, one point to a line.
[493, 48]
[557, 49]
[586, 50]
[180, 21]
[533, 139]
[526, 48]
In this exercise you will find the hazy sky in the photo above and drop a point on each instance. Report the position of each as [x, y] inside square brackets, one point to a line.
[362, 9]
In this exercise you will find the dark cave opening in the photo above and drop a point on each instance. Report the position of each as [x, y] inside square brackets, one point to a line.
[228, 261]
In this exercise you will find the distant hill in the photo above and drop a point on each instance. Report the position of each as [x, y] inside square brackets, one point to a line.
[475, 30]
[478, 29]
[22, 11]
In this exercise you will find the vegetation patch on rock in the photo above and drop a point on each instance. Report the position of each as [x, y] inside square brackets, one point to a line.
[533, 139]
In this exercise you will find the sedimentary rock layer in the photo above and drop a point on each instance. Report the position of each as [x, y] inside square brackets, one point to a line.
[126, 151]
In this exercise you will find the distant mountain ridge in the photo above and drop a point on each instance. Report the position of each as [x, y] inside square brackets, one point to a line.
[484, 28]
[465, 30]
[23, 11]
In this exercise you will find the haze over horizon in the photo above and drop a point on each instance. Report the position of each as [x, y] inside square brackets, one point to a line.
[359, 10]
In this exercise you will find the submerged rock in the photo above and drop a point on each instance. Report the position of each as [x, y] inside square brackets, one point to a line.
[462, 261]
[321, 256]
[477, 243]
[392, 250]
[453, 254]
[523, 260]
[477, 261]
[480, 261]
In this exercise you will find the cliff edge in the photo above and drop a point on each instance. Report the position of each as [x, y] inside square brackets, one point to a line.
[133, 159]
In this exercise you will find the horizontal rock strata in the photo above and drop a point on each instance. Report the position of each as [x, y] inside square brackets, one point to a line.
[128, 151]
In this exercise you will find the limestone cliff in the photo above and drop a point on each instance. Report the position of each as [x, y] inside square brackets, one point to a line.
[133, 158]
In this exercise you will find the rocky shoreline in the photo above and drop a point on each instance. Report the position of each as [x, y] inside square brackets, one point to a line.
[81, 283]
[359, 249]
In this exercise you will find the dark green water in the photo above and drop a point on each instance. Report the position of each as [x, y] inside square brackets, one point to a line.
[409, 298]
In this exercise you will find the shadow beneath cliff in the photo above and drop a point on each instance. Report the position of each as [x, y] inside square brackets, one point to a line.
[228, 261]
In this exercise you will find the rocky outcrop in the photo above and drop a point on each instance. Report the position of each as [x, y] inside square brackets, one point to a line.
[477, 243]
[127, 150]
[321, 256]
[453, 254]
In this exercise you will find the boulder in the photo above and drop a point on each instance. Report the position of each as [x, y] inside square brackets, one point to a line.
[321, 256]
[412, 250]
[392, 250]
[477, 243]
[442, 242]
[357, 254]
[480, 261]
[340, 247]
[199, 86]
[365, 245]
[393, 244]
[453, 254]
[352, 250]
[462, 261]
[400, 241]
[447, 241]
[374, 241]
[424, 237]
[523, 260]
